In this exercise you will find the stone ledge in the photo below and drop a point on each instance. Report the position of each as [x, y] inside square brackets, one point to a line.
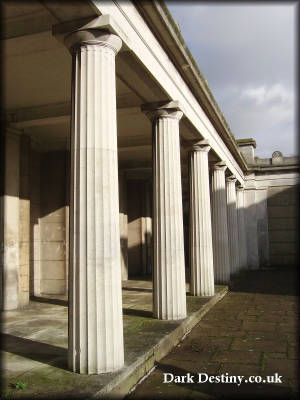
[34, 345]
[126, 380]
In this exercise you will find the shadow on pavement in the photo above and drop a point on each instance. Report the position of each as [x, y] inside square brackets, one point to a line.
[285, 281]
[34, 350]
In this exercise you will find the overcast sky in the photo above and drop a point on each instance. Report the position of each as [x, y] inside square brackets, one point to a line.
[247, 54]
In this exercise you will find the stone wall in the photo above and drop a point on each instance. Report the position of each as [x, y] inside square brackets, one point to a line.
[49, 214]
[35, 177]
[24, 221]
[283, 221]
[139, 227]
[53, 223]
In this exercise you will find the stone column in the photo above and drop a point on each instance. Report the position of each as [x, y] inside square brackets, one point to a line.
[201, 251]
[241, 227]
[95, 296]
[219, 224]
[232, 224]
[169, 299]
[251, 228]
[261, 196]
[9, 220]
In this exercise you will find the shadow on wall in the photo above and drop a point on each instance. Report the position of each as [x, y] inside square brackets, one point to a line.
[259, 282]
[272, 226]
[49, 214]
[44, 198]
[283, 224]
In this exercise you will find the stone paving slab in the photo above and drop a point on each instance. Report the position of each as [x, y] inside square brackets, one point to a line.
[34, 345]
[252, 331]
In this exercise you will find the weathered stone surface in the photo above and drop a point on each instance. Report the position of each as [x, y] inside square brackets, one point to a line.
[169, 300]
[240, 205]
[219, 225]
[232, 225]
[95, 313]
[10, 217]
[201, 248]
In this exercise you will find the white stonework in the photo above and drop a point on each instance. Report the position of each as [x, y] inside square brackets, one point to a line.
[95, 311]
[262, 226]
[201, 251]
[251, 232]
[240, 204]
[9, 219]
[232, 224]
[219, 224]
[169, 300]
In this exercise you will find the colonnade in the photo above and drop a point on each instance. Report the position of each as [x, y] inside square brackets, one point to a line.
[95, 311]
[216, 226]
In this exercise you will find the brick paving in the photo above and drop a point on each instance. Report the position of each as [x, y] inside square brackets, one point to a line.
[252, 331]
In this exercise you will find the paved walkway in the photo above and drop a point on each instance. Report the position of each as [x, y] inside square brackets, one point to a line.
[253, 330]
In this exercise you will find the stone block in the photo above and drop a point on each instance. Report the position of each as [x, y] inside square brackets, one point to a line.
[52, 231]
[35, 232]
[288, 236]
[24, 251]
[23, 298]
[36, 285]
[283, 212]
[36, 251]
[283, 248]
[35, 268]
[11, 221]
[53, 269]
[57, 215]
[279, 200]
[284, 260]
[52, 251]
[282, 224]
[53, 286]
[24, 209]
[24, 269]
[24, 230]
[23, 283]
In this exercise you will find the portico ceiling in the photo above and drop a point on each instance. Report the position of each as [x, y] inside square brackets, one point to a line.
[37, 82]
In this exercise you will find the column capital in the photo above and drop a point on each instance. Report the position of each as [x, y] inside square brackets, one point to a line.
[92, 37]
[219, 166]
[240, 188]
[231, 178]
[162, 109]
[201, 145]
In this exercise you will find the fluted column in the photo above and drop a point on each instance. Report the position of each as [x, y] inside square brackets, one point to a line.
[241, 227]
[219, 224]
[95, 302]
[232, 224]
[169, 297]
[201, 252]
